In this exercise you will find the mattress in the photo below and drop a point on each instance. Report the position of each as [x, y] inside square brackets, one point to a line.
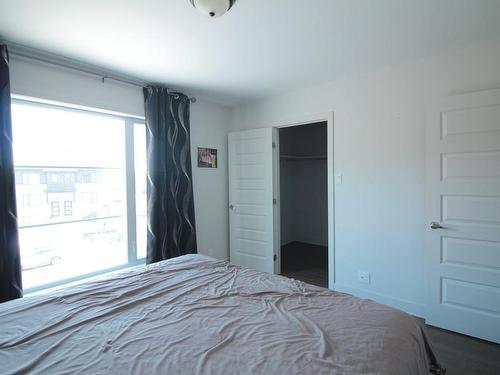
[198, 315]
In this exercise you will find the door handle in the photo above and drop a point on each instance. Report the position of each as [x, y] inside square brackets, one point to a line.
[436, 225]
[231, 207]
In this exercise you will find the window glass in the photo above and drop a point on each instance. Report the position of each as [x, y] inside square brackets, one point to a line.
[71, 191]
[140, 188]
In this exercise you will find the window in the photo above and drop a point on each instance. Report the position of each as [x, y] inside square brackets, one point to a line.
[89, 197]
[54, 209]
[68, 208]
[31, 200]
[80, 183]
[140, 188]
[30, 178]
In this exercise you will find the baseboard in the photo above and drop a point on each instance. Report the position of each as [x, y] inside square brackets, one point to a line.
[412, 308]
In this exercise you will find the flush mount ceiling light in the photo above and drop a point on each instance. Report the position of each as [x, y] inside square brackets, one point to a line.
[213, 8]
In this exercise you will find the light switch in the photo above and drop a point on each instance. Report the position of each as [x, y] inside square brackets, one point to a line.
[338, 179]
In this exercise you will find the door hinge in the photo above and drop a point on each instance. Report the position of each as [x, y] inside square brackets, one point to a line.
[274, 201]
[275, 257]
[274, 144]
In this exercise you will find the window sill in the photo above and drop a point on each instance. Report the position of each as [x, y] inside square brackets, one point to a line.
[56, 285]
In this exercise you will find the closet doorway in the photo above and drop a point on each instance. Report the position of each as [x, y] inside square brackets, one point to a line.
[303, 202]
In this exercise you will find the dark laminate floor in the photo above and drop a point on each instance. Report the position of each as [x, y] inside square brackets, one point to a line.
[463, 355]
[305, 262]
[459, 354]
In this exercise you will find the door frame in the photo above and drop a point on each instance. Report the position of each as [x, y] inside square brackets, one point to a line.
[327, 117]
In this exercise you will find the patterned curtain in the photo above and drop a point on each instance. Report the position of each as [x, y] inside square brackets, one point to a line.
[171, 224]
[10, 264]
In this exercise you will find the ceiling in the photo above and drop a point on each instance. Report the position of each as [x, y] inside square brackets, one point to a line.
[259, 48]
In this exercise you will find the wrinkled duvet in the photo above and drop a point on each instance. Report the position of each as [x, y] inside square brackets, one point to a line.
[198, 315]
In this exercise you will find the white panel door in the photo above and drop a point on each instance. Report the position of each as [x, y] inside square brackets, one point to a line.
[463, 212]
[251, 208]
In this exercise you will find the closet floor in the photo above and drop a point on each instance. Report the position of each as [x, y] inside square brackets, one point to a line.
[305, 262]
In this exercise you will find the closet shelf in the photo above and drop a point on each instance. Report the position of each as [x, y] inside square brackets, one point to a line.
[296, 157]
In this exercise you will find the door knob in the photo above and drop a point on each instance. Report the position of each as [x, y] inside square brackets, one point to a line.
[231, 207]
[436, 225]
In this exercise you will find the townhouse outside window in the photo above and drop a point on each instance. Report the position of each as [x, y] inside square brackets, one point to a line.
[81, 192]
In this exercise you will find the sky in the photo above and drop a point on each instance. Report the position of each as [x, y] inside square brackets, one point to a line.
[45, 136]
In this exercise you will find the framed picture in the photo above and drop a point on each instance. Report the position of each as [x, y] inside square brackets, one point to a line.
[207, 157]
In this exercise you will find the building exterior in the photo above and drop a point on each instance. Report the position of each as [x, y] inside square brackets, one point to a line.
[53, 195]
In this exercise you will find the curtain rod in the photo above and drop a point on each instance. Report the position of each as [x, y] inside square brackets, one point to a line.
[64, 62]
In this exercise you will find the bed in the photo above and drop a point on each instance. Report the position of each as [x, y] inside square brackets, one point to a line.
[198, 315]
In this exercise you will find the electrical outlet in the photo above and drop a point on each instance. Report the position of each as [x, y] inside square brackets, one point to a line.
[364, 277]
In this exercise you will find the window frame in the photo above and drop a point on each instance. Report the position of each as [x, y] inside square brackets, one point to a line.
[55, 211]
[129, 122]
[68, 208]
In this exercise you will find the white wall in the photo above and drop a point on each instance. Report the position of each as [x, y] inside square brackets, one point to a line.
[40, 80]
[379, 150]
[209, 124]
[209, 128]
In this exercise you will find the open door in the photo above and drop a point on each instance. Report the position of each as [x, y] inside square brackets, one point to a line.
[463, 212]
[251, 199]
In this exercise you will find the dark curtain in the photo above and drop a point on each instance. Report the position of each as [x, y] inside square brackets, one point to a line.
[10, 263]
[171, 224]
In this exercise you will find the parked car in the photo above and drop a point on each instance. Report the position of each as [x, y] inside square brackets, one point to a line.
[108, 234]
[39, 257]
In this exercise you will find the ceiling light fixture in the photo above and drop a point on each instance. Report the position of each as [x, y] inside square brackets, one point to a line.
[213, 8]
